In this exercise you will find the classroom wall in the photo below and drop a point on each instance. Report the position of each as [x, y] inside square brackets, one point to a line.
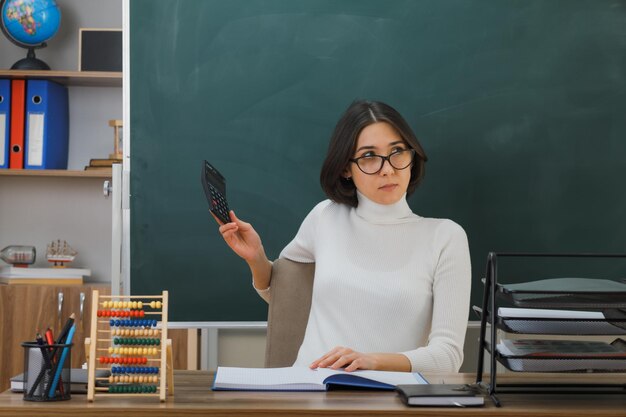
[24, 219]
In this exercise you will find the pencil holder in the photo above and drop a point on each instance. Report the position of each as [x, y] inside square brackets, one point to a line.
[47, 371]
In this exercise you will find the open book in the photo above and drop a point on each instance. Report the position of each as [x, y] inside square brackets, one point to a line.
[304, 379]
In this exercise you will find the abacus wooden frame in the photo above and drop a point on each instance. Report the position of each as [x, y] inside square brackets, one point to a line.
[166, 381]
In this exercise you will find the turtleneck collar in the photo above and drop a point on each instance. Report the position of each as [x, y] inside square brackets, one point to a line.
[372, 212]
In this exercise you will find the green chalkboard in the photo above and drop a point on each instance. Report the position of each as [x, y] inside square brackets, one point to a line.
[520, 105]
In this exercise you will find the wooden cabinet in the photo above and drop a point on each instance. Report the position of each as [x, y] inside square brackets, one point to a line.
[27, 309]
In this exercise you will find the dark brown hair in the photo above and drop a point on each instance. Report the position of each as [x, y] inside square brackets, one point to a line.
[342, 146]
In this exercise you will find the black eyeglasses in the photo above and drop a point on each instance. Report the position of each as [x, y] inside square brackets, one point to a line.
[372, 164]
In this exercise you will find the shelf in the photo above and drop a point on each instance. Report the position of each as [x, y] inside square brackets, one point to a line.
[104, 173]
[70, 78]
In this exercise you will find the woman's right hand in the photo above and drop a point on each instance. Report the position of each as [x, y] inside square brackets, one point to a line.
[242, 238]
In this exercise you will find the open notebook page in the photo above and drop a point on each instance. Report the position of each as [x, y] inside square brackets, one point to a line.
[300, 378]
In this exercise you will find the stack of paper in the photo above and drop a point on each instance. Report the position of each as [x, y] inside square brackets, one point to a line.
[544, 321]
[538, 355]
[53, 276]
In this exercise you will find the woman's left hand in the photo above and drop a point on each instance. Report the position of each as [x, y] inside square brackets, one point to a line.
[342, 357]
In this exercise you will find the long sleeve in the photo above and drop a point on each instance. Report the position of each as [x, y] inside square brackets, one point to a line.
[451, 298]
[302, 247]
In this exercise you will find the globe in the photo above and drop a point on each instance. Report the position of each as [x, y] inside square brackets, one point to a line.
[29, 24]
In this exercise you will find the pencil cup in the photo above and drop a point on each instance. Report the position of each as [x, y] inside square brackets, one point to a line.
[47, 371]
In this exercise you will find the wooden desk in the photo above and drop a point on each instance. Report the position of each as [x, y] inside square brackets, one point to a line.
[194, 397]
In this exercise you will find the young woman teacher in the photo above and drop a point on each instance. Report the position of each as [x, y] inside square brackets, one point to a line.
[391, 289]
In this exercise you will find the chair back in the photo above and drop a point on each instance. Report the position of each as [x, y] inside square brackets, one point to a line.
[291, 288]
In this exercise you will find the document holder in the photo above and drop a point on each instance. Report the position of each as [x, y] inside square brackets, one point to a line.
[569, 306]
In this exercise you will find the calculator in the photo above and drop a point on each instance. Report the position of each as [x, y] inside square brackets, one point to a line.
[214, 185]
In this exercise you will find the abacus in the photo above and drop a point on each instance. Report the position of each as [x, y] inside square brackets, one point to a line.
[125, 339]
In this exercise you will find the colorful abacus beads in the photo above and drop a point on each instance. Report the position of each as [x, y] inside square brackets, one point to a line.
[155, 304]
[132, 389]
[133, 323]
[132, 351]
[124, 304]
[134, 370]
[125, 361]
[134, 332]
[121, 313]
[116, 379]
[133, 341]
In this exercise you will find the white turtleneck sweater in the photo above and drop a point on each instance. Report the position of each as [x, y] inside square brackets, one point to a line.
[386, 280]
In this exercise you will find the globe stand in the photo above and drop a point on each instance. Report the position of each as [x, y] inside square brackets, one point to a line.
[42, 17]
[31, 62]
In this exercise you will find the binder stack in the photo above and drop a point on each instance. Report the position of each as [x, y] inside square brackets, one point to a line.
[34, 124]
[5, 117]
[18, 92]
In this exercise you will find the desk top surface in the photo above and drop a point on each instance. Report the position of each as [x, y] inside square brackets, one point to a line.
[193, 396]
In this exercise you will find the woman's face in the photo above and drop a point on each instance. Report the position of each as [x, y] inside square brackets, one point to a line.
[388, 185]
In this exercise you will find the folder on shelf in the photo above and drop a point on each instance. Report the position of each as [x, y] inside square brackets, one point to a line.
[5, 115]
[18, 106]
[47, 125]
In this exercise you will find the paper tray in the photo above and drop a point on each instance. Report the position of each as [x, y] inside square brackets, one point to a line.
[567, 293]
[562, 355]
[574, 365]
[556, 322]
[561, 327]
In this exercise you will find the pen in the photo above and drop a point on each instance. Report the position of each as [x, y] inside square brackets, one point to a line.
[49, 337]
[62, 338]
[50, 340]
[44, 351]
[59, 365]
[65, 331]
[46, 367]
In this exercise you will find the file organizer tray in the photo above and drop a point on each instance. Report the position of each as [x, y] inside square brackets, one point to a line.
[594, 295]
[556, 364]
[558, 322]
[575, 327]
[581, 293]
[561, 362]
